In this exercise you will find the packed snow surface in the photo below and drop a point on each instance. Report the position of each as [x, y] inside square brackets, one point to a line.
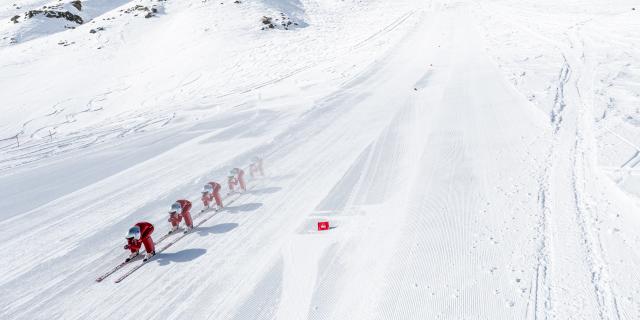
[475, 159]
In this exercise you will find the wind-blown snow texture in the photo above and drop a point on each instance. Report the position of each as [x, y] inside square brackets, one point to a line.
[477, 159]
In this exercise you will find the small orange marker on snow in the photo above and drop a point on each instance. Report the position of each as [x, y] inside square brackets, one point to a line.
[323, 225]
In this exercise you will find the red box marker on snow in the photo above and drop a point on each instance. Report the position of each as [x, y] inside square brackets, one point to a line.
[323, 225]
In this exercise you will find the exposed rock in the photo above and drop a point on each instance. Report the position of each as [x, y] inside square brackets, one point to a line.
[65, 43]
[283, 22]
[77, 4]
[140, 8]
[15, 19]
[137, 7]
[55, 14]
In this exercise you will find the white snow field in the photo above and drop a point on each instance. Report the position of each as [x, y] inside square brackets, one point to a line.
[476, 159]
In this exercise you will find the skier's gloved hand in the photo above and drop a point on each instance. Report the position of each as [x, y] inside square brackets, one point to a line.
[126, 247]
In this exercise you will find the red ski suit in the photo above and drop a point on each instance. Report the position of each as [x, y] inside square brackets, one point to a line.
[232, 183]
[175, 218]
[256, 167]
[146, 229]
[206, 198]
[239, 179]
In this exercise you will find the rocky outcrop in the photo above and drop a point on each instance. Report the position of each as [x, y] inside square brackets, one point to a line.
[55, 14]
[77, 4]
[282, 22]
[144, 9]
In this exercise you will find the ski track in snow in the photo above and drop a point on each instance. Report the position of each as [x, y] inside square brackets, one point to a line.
[575, 128]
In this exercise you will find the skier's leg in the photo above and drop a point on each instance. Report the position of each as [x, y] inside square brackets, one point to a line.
[205, 201]
[216, 195]
[175, 221]
[187, 219]
[243, 185]
[149, 246]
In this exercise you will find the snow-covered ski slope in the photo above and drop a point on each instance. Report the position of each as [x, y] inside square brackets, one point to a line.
[476, 159]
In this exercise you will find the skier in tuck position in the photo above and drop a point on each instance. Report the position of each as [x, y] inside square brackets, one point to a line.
[180, 209]
[232, 182]
[139, 235]
[236, 177]
[256, 167]
[210, 192]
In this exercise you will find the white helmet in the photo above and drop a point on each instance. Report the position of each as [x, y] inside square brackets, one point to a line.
[134, 233]
[207, 188]
[176, 208]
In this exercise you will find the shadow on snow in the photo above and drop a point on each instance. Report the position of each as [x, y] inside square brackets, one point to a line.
[265, 190]
[247, 207]
[180, 256]
[217, 229]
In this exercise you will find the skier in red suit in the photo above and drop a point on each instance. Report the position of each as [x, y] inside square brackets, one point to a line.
[256, 167]
[210, 192]
[232, 182]
[180, 209]
[139, 235]
[238, 174]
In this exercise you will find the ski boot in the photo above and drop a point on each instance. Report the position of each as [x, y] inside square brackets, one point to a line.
[148, 256]
[131, 256]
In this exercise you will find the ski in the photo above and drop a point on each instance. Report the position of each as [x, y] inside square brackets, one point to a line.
[161, 239]
[116, 268]
[168, 234]
[132, 270]
[124, 263]
[140, 265]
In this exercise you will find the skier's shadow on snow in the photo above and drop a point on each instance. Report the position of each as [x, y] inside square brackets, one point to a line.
[265, 190]
[186, 255]
[217, 229]
[247, 207]
[282, 177]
